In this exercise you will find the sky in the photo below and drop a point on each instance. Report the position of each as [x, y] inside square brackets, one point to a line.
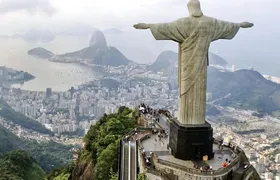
[257, 47]
[17, 15]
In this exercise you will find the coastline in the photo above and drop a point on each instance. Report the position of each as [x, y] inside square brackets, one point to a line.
[96, 68]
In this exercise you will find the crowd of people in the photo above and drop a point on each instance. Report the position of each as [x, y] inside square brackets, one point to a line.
[203, 168]
[146, 109]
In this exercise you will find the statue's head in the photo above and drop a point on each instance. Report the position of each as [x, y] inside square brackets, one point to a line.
[194, 8]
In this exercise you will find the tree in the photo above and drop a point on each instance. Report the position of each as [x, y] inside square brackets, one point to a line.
[142, 176]
[102, 144]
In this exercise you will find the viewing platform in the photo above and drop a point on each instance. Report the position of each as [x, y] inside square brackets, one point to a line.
[146, 150]
[229, 160]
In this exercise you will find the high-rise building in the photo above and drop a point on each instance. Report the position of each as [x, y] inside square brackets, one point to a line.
[72, 90]
[277, 158]
[48, 92]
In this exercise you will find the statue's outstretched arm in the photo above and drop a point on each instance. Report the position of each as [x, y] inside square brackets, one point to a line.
[246, 25]
[141, 26]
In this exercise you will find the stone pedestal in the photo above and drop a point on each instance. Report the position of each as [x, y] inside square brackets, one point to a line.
[191, 142]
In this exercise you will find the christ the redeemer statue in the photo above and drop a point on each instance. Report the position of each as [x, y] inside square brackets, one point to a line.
[194, 35]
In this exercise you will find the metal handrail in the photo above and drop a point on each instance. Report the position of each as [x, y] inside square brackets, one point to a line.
[197, 171]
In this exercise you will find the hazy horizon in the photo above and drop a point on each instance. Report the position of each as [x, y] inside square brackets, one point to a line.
[256, 47]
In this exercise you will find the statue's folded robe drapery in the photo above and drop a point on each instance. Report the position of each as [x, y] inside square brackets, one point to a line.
[194, 35]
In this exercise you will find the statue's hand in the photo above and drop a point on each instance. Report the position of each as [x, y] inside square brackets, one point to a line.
[141, 26]
[246, 25]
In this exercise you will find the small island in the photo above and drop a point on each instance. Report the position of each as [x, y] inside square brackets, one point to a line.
[40, 53]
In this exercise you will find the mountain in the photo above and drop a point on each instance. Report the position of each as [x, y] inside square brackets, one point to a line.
[98, 52]
[112, 31]
[39, 35]
[166, 59]
[246, 89]
[19, 165]
[217, 60]
[41, 53]
[11, 115]
[8, 141]
[98, 39]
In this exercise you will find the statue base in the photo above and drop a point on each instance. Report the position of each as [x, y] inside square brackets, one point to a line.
[191, 142]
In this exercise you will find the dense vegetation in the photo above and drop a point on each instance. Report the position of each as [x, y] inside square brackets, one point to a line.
[99, 158]
[8, 141]
[17, 118]
[19, 165]
[49, 155]
[142, 176]
[61, 173]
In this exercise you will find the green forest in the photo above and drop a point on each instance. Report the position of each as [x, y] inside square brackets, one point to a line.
[49, 155]
[99, 158]
[19, 165]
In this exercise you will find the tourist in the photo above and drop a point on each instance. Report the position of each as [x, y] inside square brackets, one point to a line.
[224, 164]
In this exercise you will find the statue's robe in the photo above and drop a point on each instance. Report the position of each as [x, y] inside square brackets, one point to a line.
[194, 35]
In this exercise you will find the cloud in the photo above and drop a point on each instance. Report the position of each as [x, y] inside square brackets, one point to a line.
[31, 6]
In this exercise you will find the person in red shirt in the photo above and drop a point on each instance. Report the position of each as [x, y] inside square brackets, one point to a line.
[224, 164]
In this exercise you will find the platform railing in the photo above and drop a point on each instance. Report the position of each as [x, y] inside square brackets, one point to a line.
[233, 148]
